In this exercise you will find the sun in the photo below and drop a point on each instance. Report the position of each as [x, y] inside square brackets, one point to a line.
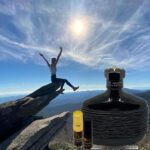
[78, 27]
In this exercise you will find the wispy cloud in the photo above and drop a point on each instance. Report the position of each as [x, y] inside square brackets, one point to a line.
[118, 33]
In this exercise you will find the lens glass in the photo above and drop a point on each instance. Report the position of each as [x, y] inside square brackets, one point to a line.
[114, 77]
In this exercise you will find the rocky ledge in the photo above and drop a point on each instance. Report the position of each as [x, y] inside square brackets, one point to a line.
[17, 114]
[37, 135]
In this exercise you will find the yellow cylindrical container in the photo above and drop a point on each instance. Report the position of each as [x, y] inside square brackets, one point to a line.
[78, 127]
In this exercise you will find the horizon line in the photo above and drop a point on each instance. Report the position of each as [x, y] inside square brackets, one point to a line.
[17, 93]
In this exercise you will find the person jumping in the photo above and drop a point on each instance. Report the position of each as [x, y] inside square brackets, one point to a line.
[53, 69]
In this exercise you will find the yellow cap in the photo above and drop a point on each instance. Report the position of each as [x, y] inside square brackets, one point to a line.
[77, 121]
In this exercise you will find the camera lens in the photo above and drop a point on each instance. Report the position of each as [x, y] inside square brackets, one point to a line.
[114, 77]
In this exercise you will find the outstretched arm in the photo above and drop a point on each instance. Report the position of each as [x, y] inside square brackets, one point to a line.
[57, 59]
[44, 58]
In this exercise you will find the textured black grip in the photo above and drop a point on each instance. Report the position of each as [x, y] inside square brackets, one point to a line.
[117, 124]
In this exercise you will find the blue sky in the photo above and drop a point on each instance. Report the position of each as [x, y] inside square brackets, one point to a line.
[115, 33]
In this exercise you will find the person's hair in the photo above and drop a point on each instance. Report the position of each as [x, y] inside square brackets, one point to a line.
[53, 60]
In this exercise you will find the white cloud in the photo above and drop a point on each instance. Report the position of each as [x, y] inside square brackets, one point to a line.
[117, 36]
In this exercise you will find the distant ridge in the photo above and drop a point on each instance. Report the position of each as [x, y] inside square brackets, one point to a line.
[73, 101]
[145, 94]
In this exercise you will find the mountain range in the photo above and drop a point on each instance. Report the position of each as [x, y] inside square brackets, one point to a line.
[73, 101]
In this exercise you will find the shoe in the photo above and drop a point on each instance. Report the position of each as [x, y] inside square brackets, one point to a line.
[61, 91]
[75, 88]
